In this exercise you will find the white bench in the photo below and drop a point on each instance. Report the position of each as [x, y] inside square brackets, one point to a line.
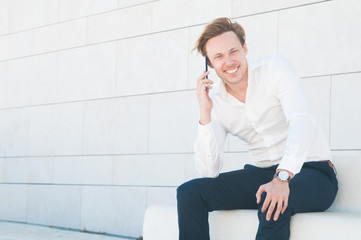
[341, 221]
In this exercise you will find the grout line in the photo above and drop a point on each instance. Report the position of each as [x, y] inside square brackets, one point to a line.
[330, 117]
[70, 229]
[97, 155]
[76, 18]
[278, 31]
[98, 99]
[331, 74]
[85, 185]
[149, 115]
[141, 154]
[145, 34]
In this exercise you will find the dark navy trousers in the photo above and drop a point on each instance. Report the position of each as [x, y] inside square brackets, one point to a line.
[312, 190]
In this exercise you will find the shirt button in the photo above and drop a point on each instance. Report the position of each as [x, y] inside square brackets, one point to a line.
[209, 155]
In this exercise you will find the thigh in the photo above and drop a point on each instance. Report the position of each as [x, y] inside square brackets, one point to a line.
[230, 190]
[313, 189]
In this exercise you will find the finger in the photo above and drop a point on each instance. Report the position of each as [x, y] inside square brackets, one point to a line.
[206, 88]
[278, 210]
[285, 205]
[270, 210]
[203, 91]
[203, 75]
[266, 203]
[259, 193]
[207, 81]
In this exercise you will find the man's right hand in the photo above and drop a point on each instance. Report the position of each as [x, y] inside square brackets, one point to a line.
[205, 102]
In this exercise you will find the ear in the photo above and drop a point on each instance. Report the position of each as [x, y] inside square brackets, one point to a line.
[245, 48]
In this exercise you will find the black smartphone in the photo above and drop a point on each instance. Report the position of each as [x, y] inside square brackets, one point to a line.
[206, 60]
[206, 66]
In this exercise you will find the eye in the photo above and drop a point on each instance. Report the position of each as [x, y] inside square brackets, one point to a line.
[234, 51]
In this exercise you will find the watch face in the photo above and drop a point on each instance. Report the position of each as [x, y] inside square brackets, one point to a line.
[283, 175]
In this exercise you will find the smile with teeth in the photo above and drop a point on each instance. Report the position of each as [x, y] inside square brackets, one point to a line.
[233, 70]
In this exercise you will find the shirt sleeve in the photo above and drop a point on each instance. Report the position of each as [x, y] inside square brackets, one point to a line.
[302, 125]
[209, 149]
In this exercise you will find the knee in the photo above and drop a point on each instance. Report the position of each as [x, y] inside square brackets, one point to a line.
[188, 191]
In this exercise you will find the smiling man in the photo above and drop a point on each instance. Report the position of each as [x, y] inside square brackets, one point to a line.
[262, 103]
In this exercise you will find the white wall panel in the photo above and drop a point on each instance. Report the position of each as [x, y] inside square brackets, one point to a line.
[3, 84]
[4, 47]
[26, 14]
[16, 45]
[56, 129]
[83, 170]
[118, 24]
[14, 170]
[87, 72]
[69, 9]
[20, 44]
[14, 132]
[4, 16]
[261, 33]
[116, 125]
[118, 210]
[40, 170]
[235, 161]
[318, 91]
[173, 122]
[345, 111]
[3, 170]
[183, 13]
[53, 205]
[149, 170]
[345, 162]
[161, 195]
[59, 36]
[248, 7]
[32, 80]
[322, 38]
[13, 202]
[153, 63]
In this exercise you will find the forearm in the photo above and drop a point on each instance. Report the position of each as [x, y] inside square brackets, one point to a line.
[205, 117]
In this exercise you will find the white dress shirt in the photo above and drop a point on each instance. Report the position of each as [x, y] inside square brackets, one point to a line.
[275, 121]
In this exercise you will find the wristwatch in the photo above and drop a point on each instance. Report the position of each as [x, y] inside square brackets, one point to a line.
[283, 176]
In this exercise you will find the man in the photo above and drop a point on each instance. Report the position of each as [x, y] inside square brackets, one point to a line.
[262, 103]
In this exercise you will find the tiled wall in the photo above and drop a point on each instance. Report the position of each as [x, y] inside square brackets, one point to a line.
[98, 112]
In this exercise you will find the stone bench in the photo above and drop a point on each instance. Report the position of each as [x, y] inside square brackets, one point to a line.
[341, 221]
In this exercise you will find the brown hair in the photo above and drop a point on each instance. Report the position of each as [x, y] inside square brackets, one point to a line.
[217, 27]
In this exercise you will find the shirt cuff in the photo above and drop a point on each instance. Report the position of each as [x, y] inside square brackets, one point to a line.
[204, 131]
[290, 164]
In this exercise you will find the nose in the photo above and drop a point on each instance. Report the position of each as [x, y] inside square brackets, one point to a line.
[228, 60]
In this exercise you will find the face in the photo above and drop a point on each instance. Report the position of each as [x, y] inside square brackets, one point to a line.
[228, 57]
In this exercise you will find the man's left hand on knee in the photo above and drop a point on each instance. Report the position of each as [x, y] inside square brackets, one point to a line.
[276, 198]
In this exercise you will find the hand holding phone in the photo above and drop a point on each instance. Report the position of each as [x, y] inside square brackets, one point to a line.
[204, 100]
